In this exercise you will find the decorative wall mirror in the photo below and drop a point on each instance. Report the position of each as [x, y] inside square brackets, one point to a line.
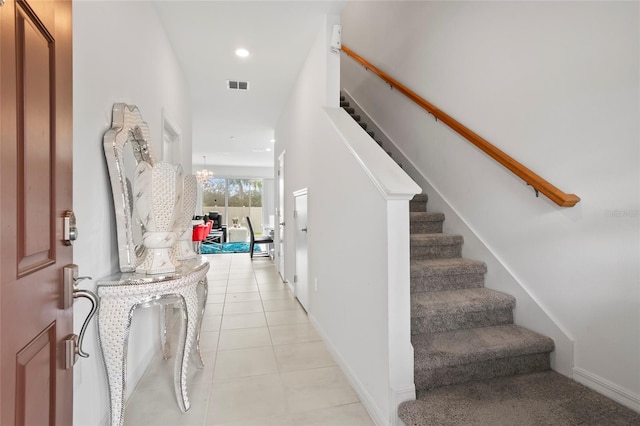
[153, 201]
[125, 145]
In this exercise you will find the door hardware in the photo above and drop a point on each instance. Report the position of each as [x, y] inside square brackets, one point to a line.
[73, 343]
[70, 231]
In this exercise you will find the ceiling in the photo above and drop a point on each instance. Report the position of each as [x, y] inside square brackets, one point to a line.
[235, 128]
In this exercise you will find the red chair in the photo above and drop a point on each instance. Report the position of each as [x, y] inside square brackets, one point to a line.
[200, 232]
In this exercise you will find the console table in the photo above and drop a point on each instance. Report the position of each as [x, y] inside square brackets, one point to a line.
[121, 294]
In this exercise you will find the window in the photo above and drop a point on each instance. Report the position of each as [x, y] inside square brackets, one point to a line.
[235, 198]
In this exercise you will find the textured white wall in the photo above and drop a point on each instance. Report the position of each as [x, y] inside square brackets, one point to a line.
[555, 85]
[121, 54]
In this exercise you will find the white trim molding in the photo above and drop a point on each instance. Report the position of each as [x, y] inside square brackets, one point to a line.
[607, 388]
[398, 396]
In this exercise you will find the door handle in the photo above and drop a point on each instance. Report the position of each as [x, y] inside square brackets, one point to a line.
[87, 294]
[73, 343]
[304, 229]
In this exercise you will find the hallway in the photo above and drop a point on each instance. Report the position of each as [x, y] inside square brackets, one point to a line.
[265, 363]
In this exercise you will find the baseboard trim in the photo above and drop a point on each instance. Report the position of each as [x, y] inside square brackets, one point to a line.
[399, 396]
[367, 401]
[607, 388]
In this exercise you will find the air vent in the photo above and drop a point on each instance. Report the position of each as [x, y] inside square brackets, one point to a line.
[237, 85]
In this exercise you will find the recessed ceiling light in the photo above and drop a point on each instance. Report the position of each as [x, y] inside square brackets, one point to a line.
[268, 149]
[243, 53]
[272, 140]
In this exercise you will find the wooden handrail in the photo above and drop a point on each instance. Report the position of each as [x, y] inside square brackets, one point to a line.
[539, 184]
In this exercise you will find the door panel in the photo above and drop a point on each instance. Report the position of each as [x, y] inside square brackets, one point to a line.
[36, 190]
[302, 269]
[36, 371]
[34, 74]
[281, 223]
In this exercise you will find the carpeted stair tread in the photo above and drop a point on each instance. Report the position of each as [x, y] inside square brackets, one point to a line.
[458, 347]
[435, 246]
[445, 267]
[425, 217]
[433, 312]
[446, 274]
[356, 117]
[418, 203]
[435, 239]
[459, 301]
[350, 110]
[425, 223]
[544, 398]
[344, 104]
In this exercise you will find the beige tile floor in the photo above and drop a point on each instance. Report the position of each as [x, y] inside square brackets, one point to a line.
[265, 363]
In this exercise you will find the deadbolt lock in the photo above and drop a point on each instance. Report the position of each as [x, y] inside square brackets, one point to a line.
[70, 231]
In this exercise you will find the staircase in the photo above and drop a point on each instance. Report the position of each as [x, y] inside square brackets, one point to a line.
[472, 365]
[461, 331]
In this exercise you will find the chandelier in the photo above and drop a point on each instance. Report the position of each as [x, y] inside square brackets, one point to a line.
[204, 175]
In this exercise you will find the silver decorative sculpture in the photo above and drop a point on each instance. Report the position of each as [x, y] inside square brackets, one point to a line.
[184, 247]
[158, 199]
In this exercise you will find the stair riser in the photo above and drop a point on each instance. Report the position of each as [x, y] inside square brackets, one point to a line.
[426, 227]
[429, 252]
[433, 323]
[446, 282]
[417, 206]
[431, 379]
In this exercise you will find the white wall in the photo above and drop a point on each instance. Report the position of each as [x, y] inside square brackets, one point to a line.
[556, 86]
[121, 54]
[360, 281]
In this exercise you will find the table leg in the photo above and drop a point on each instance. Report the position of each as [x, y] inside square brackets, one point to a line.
[114, 320]
[187, 337]
[202, 304]
[166, 318]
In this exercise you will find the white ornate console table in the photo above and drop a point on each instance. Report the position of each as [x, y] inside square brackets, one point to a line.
[121, 294]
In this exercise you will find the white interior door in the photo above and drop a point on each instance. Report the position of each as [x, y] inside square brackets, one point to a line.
[280, 216]
[301, 277]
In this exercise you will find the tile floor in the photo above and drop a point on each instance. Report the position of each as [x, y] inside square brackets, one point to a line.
[265, 363]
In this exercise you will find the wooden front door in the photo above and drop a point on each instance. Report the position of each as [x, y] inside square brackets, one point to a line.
[35, 191]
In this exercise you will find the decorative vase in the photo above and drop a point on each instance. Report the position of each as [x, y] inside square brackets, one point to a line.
[158, 192]
[183, 249]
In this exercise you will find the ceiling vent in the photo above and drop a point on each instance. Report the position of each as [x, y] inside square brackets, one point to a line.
[237, 85]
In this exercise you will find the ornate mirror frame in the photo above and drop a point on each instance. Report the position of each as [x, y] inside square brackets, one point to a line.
[125, 144]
